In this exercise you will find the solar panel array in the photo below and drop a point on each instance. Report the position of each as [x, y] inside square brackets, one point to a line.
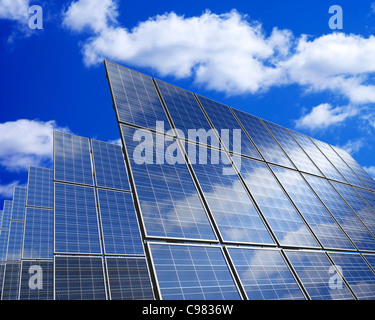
[201, 201]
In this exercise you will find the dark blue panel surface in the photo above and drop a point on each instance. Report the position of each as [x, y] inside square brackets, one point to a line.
[40, 188]
[19, 203]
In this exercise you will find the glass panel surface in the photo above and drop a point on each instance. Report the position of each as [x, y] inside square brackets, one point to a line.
[6, 214]
[14, 252]
[40, 188]
[368, 196]
[11, 283]
[19, 203]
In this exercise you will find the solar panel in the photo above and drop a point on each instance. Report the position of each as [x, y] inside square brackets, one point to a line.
[292, 149]
[40, 188]
[14, 251]
[284, 220]
[168, 198]
[232, 208]
[38, 239]
[266, 144]
[135, 98]
[4, 236]
[353, 227]
[265, 275]
[72, 161]
[364, 213]
[79, 278]
[318, 276]
[128, 279]
[76, 227]
[317, 156]
[186, 114]
[119, 223]
[316, 215]
[2, 271]
[228, 127]
[36, 280]
[365, 177]
[357, 273]
[7, 211]
[192, 272]
[11, 281]
[19, 203]
[339, 164]
[368, 196]
[109, 166]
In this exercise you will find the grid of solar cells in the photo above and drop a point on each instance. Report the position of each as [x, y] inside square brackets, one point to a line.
[76, 227]
[128, 279]
[292, 149]
[284, 220]
[110, 170]
[79, 278]
[362, 210]
[72, 161]
[186, 114]
[19, 203]
[192, 272]
[224, 122]
[233, 210]
[40, 274]
[339, 164]
[317, 156]
[4, 236]
[265, 275]
[1, 217]
[38, 239]
[315, 271]
[40, 188]
[14, 251]
[368, 196]
[7, 211]
[354, 165]
[168, 199]
[353, 227]
[357, 273]
[370, 258]
[11, 281]
[2, 271]
[119, 223]
[316, 215]
[266, 144]
[135, 97]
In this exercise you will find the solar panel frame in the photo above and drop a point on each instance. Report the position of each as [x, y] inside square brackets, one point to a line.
[368, 197]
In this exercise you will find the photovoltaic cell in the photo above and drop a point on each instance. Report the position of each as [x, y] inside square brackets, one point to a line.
[135, 97]
[368, 196]
[233, 210]
[353, 227]
[110, 170]
[168, 199]
[315, 272]
[76, 227]
[291, 147]
[11, 281]
[364, 213]
[316, 215]
[339, 164]
[4, 236]
[44, 289]
[317, 156]
[266, 144]
[188, 272]
[365, 177]
[38, 241]
[40, 188]
[128, 279]
[14, 251]
[357, 273]
[119, 223]
[6, 214]
[265, 275]
[225, 123]
[19, 203]
[72, 161]
[284, 220]
[79, 278]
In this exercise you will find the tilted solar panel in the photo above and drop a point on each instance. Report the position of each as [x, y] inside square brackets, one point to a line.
[40, 188]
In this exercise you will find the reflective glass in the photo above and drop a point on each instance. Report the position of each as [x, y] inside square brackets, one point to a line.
[266, 144]
[4, 236]
[284, 220]
[135, 98]
[14, 251]
[19, 203]
[265, 275]
[11, 284]
[368, 196]
[315, 271]
[187, 272]
[316, 215]
[7, 211]
[128, 279]
[353, 227]
[40, 188]
[168, 199]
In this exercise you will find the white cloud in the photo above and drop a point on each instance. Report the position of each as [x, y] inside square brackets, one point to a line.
[371, 171]
[26, 142]
[325, 115]
[353, 146]
[6, 190]
[373, 7]
[17, 10]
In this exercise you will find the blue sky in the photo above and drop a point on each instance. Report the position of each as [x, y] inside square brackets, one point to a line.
[278, 60]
